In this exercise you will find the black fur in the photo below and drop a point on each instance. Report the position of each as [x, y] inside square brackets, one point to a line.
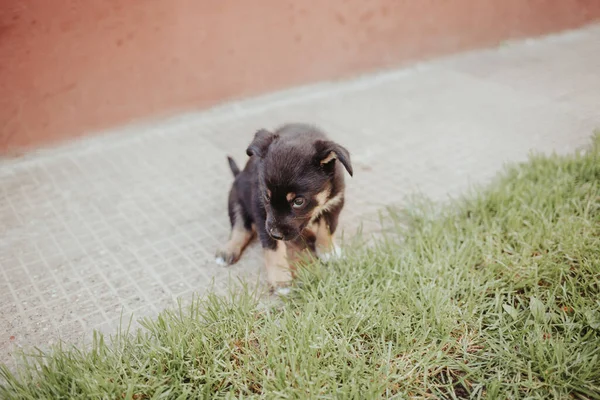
[289, 160]
[233, 166]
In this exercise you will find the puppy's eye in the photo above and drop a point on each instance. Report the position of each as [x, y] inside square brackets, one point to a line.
[298, 202]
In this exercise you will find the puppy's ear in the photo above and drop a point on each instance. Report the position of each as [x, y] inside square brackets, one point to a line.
[328, 152]
[260, 144]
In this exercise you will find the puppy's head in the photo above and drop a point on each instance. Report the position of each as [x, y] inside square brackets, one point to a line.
[299, 176]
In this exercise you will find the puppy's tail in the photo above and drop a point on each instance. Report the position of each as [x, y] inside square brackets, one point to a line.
[233, 166]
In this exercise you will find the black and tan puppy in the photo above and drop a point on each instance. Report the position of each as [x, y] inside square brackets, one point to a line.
[291, 189]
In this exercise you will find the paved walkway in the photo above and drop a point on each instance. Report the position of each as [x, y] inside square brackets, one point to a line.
[130, 220]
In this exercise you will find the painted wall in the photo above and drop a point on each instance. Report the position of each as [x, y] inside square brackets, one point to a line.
[68, 67]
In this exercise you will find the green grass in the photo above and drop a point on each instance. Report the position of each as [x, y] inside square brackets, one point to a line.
[494, 296]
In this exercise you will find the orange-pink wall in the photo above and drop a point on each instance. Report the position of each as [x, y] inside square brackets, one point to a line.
[71, 66]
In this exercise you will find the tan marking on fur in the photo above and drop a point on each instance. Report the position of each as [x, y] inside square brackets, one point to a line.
[330, 156]
[312, 227]
[297, 252]
[290, 196]
[322, 197]
[240, 237]
[278, 268]
[238, 240]
[325, 204]
[324, 239]
[269, 193]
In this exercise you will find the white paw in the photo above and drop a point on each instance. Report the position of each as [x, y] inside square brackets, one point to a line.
[282, 291]
[334, 254]
[220, 261]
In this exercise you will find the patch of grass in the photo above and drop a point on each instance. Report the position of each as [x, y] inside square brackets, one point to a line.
[495, 296]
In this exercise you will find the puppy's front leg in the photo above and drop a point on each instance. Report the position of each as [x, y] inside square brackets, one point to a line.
[278, 269]
[325, 245]
[279, 273]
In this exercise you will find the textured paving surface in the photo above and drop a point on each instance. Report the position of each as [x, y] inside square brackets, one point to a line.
[129, 221]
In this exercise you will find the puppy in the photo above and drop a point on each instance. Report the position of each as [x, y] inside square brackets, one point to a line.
[291, 190]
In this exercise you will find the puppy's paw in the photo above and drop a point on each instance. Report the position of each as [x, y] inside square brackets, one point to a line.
[220, 261]
[282, 291]
[225, 257]
[334, 253]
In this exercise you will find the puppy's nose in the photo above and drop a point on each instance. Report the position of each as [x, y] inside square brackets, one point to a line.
[276, 233]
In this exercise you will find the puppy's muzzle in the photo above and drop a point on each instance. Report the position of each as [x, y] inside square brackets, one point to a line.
[281, 233]
[276, 233]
